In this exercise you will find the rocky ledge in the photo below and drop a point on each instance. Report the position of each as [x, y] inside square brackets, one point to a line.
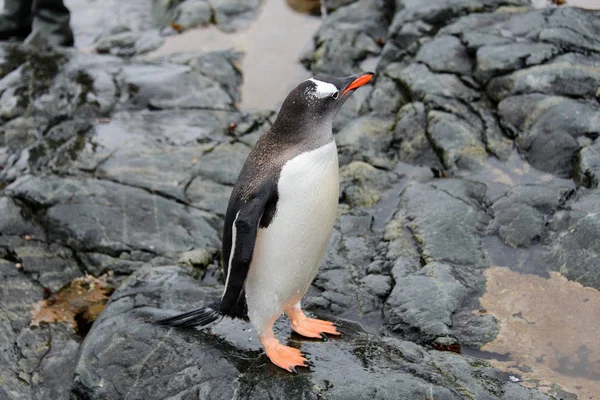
[477, 145]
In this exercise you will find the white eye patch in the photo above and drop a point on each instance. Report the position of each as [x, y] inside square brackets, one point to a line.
[322, 89]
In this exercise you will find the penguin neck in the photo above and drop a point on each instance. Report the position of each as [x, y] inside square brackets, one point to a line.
[307, 131]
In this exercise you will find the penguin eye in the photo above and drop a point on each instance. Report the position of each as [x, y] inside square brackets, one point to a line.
[336, 95]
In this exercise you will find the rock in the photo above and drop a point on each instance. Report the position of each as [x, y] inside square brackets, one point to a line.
[571, 247]
[499, 59]
[192, 13]
[425, 263]
[366, 139]
[361, 184]
[587, 172]
[410, 137]
[226, 362]
[346, 263]
[92, 215]
[457, 141]
[445, 54]
[421, 82]
[413, 309]
[349, 35]
[558, 79]
[230, 15]
[548, 128]
[521, 214]
[166, 86]
[156, 150]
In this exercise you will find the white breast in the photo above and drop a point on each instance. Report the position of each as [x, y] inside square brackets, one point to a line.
[288, 253]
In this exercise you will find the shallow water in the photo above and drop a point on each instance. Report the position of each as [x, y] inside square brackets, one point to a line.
[271, 46]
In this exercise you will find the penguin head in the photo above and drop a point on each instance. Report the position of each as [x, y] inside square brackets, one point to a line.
[319, 99]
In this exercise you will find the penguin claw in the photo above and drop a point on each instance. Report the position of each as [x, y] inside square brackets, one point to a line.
[324, 337]
[293, 370]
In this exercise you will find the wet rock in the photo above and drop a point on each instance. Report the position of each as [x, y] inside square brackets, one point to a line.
[421, 82]
[361, 184]
[34, 362]
[227, 15]
[571, 244]
[219, 66]
[366, 139]
[457, 141]
[50, 266]
[89, 214]
[413, 308]
[125, 43]
[349, 35]
[497, 60]
[153, 150]
[549, 128]
[346, 262]
[230, 15]
[520, 216]
[426, 263]
[410, 137]
[474, 328]
[445, 54]
[172, 86]
[192, 13]
[587, 172]
[559, 79]
[226, 362]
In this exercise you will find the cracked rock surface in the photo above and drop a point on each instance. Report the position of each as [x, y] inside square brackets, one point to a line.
[476, 145]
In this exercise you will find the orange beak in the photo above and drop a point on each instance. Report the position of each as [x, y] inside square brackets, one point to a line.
[358, 82]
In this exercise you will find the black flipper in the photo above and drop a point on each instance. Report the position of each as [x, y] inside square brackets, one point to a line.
[244, 215]
[196, 318]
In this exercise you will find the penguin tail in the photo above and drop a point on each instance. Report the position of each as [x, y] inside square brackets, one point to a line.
[197, 318]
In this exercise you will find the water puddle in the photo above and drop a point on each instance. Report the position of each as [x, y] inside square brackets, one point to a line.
[271, 46]
[548, 327]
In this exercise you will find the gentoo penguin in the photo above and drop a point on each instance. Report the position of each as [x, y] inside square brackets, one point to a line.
[280, 218]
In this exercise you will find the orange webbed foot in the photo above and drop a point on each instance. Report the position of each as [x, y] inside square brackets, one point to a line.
[313, 328]
[284, 357]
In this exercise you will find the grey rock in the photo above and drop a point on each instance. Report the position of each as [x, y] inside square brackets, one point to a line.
[410, 137]
[413, 307]
[474, 330]
[156, 150]
[426, 263]
[500, 59]
[172, 86]
[548, 128]
[192, 13]
[457, 141]
[13, 221]
[521, 214]
[96, 215]
[366, 139]
[349, 35]
[212, 167]
[219, 66]
[571, 245]
[361, 184]
[587, 172]
[559, 79]
[230, 15]
[445, 54]
[421, 82]
[225, 362]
